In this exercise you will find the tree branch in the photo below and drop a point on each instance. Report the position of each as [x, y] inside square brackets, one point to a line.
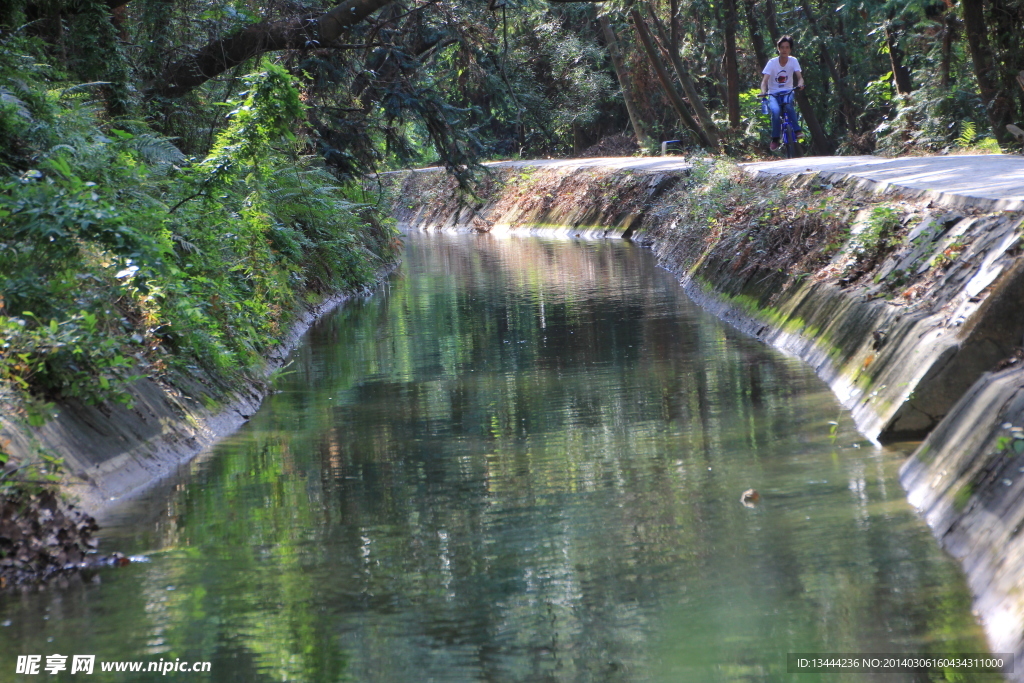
[288, 34]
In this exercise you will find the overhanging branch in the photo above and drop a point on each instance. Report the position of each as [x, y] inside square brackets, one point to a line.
[288, 34]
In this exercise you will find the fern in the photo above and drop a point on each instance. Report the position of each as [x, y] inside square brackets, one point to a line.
[155, 150]
[7, 99]
[83, 88]
[968, 131]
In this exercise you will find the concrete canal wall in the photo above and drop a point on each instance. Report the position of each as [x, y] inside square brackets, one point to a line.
[111, 451]
[908, 303]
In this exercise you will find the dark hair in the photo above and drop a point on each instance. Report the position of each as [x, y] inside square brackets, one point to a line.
[785, 39]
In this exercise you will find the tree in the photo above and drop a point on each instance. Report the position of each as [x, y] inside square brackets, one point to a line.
[666, 81]
[900, 73]
[731, 67]
[997, 104]
[683, 74]
[391, 80]
[626, 84]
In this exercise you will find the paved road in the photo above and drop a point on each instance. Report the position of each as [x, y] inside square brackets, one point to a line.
[634, 163]
[993, 182]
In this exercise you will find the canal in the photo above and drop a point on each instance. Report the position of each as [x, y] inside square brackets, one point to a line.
[521, 459]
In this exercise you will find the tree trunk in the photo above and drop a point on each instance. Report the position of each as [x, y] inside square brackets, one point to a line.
[846, 103]
[820, 143]
[770, 19]
[675, 31]
[948, 37]
[900, 73]
[996, 104]
[689, 88]
[1007, 16]
[117, 18]
[666, 82]
[755, 33]
[625, 82]
[716, 60]
[252, 41]
[732, 72]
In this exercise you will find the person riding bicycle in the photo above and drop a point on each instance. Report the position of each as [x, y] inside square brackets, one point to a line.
[779, 75]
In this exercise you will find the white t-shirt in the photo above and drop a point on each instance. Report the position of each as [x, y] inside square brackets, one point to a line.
[781, 77]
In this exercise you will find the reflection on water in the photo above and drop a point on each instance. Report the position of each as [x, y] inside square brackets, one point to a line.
[522, 460]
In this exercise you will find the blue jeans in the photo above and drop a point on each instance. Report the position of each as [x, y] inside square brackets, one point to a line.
[776, 111]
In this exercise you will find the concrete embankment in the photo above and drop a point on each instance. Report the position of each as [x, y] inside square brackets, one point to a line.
[112, 451]
[904, 290]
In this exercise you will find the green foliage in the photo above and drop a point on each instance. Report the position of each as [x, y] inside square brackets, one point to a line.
[281, 225]
[963, 496]
[949, 254]
[580, 88]
[875, 238]
[933, 117]
[95, 53]
[75, 358]
[262, 115]
[121, 257]
[533, 81]
[20, 479]
[879, 101]
[756, 124]
[988, 145]
[968, 132]
[48, 221]
[27, 109]
[74, 239]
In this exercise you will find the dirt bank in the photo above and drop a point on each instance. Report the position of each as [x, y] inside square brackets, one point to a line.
[904, 303]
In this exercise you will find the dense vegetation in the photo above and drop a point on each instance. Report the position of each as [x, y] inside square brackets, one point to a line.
[176, 178]
[536, 78]
[122, 256]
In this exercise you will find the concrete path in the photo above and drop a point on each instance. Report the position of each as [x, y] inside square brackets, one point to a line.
[633, 163]
[991, 182]
[636, 163]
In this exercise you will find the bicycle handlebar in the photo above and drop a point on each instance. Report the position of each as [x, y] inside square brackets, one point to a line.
[780, 92]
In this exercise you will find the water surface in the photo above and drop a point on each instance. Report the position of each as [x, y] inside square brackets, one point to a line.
[521, 460]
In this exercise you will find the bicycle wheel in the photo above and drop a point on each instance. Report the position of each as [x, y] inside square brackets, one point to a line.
[789, 141]
[792, 150]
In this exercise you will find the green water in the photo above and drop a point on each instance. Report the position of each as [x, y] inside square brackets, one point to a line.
[521, 460]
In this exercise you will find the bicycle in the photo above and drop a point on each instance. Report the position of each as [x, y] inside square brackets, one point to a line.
[789, 141]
